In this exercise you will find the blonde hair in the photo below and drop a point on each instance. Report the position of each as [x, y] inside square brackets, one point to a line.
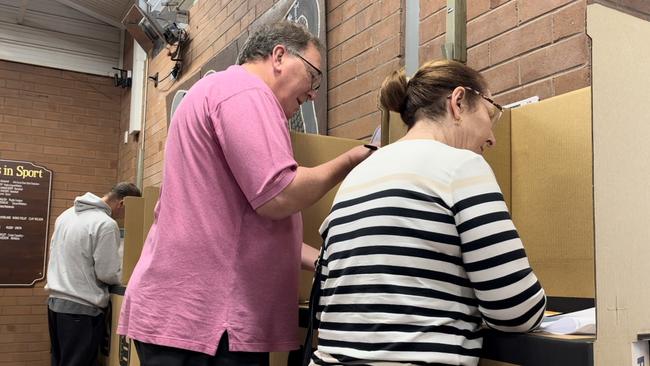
[427, 91]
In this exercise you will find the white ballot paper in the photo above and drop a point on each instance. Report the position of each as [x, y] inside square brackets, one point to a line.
[579, 322]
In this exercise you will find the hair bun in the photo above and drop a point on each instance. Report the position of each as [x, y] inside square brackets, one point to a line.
[392, 95]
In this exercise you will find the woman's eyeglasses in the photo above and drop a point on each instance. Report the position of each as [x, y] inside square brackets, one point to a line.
[496, 114]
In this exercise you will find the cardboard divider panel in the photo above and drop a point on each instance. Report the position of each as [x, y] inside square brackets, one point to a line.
[552, 195]
[309, 151]
[621, 125]
[133, 234]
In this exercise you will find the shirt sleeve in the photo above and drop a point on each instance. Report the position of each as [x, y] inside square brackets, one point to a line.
[510, 296]
[108, 262]
[254, 136]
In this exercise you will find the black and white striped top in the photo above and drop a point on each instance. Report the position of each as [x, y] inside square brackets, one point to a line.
[419, 249]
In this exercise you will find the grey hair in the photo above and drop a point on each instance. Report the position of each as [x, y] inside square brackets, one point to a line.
[295, 37]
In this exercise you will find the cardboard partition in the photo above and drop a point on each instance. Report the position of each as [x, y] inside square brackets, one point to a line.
[309, 151]
[122, 350]
[552, 195]
[150, 195]
[133, 233]
[138, 217]
[621, 132]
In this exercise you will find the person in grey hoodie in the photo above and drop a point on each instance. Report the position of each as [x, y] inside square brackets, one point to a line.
[85, 258]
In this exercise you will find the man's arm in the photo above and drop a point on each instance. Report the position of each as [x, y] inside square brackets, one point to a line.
[308, 256]
[108, 264]
[310, 184]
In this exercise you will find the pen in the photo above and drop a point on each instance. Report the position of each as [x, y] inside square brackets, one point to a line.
[371, 147]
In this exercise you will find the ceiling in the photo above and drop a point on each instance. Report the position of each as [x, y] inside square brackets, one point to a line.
[106, 11]
[77, 35]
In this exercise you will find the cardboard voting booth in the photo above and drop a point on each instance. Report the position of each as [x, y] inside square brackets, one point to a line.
[621, 126]
[138, 217]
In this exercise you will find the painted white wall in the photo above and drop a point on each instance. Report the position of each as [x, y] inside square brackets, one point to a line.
[138, 81]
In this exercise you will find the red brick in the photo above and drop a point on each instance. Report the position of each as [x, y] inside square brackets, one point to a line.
[502, 77]
[6, 110]
[529, 9]
[352, 110]
[478, 57]
[429, 7]
[351, 8]
[543, 89]
[31, 113]
[390, 7]
[20, 103]
[497, 3]
[491, 24]
[334, 18]
[248, 19]
[350, 90]
[46, 106]
[356, 45]
[333, 4]
[16, 310]
[555, 58]
[341, 33]
[432, 50]
[570, 20]
[476, 8]
[45, 71]
[572, 80]
[19, 85]
[342, 73]
[386, 29]
[22, 319]
[368, 17]
[29, 148]
[8, 128]
[521, 40]
[433, 26]
[389, 49]
[359, 129]
[8, 74]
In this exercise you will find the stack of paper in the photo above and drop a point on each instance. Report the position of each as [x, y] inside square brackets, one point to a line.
[579, 322]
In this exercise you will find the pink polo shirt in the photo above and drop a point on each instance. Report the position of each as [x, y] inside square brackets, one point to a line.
[210, 264]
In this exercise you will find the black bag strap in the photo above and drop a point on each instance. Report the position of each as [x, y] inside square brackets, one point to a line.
[314, 301]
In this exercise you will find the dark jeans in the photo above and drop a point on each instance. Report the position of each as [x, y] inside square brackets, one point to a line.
[154, 355]
[75, 339]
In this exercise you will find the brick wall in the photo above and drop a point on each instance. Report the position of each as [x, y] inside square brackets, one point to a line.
[364, 41]
[213, 26]
[522, 47]
[67, 122]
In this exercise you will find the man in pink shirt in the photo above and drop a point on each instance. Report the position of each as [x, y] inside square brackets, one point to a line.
[217, 281]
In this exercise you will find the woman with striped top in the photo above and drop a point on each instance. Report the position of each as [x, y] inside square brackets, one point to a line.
[419, 248]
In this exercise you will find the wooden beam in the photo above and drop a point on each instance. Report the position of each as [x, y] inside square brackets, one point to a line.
[21, 12]
[91, 13]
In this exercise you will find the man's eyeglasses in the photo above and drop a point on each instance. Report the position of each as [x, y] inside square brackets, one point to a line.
[494, 114]
[315, 78]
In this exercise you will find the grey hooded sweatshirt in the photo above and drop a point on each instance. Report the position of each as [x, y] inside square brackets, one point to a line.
[85, 255]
